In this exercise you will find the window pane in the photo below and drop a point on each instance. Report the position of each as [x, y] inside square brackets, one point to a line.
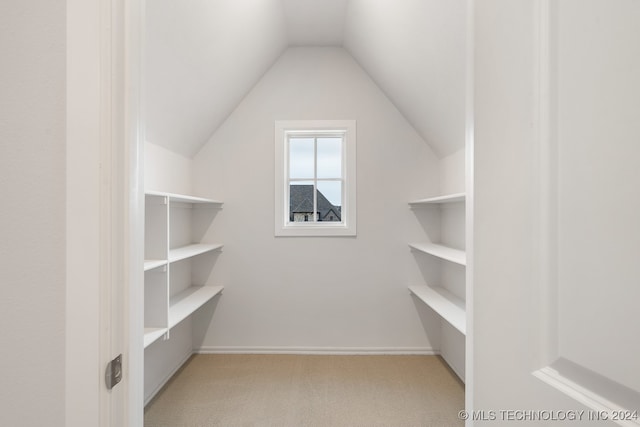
[301, 202]
[329, 157]
[330, 201]
[300, 157]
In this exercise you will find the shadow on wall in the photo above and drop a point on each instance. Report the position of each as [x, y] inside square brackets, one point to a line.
[203, 318]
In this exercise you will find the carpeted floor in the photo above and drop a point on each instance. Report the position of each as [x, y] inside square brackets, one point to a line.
[314, 391]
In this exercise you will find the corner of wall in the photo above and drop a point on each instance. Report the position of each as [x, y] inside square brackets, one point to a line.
[452, 173]
[165, 170]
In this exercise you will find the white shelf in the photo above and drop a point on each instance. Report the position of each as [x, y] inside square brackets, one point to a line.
[186, 302]
[182, 306]
[180, 198]
[189, 251]
[453, 255]
[181, 253]
[449, 198]
[443, 302]
[151, 335]
[150, 264]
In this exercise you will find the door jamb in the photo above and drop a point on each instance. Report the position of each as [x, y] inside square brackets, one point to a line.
[104, 209]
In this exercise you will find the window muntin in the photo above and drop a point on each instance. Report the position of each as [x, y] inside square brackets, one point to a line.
[315, 178]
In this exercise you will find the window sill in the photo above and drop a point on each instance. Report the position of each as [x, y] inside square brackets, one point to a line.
[316, 230]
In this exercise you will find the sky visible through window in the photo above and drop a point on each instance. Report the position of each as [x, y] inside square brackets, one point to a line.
[315, 177]
[329, 165]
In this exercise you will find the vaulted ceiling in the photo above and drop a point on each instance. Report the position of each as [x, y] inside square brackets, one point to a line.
[204, 56]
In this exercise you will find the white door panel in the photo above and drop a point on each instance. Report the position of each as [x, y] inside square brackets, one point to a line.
[572, 207]
[598, 139]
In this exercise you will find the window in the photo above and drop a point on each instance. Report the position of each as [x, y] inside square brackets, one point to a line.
[315, 178]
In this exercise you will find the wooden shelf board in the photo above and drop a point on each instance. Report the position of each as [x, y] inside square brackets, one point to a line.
[151, 335]
[150, 264]
[189, 251]
[182, 305]
[181, 198]
[453, 255]
[448, 306]
[448, 198]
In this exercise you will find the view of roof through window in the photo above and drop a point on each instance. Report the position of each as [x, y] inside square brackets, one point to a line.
[315, 161]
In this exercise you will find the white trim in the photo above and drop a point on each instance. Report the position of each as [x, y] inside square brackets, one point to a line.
[103, 175]
[546, 182]
[318, 350]
[584, 395]
[103, 210]
[132, 288]
[89, 143]
[469, 210]
[347, 227]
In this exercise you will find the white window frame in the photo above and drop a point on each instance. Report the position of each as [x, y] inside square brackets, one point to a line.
[284, 227]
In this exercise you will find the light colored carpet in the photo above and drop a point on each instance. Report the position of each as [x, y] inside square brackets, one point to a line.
[314, 391]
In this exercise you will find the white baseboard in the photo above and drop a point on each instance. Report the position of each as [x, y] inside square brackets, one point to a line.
[318, 350]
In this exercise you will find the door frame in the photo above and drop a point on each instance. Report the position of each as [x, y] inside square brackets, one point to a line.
[104, 211]
[469, 206]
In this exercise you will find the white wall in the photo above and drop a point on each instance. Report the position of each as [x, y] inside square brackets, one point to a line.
[452, 173]
[316, 293]
[164, 357]
[166, 171]
[32, 184]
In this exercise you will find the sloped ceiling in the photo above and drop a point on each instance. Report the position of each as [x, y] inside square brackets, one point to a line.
[204, 56]
[315, 22]
[415, 51]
